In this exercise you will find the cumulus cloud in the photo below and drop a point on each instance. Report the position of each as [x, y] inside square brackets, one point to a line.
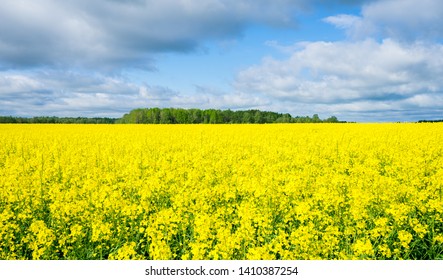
[387, 69]
[65, 94]
[123, 33]
[360, 76]
[403, 20]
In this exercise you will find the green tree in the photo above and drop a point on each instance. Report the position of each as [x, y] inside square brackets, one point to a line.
[165, 116]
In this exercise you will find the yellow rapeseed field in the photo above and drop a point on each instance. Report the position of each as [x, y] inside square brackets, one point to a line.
[289, 191]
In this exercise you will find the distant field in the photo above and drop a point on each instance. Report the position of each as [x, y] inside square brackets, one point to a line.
[280, 191]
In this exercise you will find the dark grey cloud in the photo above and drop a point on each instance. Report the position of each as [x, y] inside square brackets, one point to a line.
[115, 33]
[109, 34]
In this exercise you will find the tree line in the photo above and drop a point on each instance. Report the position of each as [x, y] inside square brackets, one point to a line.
[67, 120]
[178, 116]
[430, 121]
[214, 116]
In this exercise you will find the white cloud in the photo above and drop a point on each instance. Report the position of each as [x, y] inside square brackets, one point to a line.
[65, 94]
[340, 77]
[355, 26]
[15, 83]
[344, 21]
[404, 20]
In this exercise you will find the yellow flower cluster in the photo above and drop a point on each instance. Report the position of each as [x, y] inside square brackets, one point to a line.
[280, 191]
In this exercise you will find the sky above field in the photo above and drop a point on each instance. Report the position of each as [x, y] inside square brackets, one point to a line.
[366, 61]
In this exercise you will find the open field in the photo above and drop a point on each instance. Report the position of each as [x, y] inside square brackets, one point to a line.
[289, 191]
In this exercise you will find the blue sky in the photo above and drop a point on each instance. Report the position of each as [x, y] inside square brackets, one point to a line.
[366, 61]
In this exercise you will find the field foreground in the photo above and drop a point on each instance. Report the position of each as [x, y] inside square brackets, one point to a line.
[306, 191]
